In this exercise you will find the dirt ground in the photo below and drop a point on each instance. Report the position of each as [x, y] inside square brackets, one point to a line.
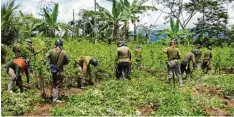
[208, 90]
[212, 111]
[146, 110]
[216, 112]
[43, 108]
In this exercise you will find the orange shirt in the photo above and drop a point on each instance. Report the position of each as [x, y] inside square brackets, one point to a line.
[21, 63]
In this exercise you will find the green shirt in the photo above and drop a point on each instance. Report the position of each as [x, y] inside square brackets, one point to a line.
[207, 55]
[173, 53]
[189, 57]
[53, 54]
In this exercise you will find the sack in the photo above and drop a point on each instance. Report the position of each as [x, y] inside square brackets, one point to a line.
[54, 68]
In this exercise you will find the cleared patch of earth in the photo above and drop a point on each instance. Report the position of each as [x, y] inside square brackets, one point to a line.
[43, 108]
[212, 111]
[228, 102]
[208, 90]
[216, 112]
[146, 110]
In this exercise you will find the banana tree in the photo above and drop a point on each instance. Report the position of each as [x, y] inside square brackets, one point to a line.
[28, 23]
[112, 17]
[174, 33]
[50, 25]
[131, 9]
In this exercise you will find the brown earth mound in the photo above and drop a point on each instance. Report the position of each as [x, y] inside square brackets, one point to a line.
[216, 112]
[209, 90]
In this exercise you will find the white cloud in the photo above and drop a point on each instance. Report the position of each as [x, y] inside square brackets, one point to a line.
[66, 9]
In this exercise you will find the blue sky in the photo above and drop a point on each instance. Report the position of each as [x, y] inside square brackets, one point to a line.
[66, 8]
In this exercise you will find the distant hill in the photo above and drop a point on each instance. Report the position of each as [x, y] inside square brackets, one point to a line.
[153, 36]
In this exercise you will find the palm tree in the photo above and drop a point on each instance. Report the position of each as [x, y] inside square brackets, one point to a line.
[7, 11]
[8, 29]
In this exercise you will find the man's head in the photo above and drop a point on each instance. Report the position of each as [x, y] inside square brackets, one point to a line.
[172, 43]
[58, 43]
[94, 62]
[120, 43]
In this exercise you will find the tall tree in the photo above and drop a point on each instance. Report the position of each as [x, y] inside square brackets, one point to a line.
[9, 31]
[112, 17]
[50, 24]
[28, 24]
[177, 10]
[130, 11]
[214, 18]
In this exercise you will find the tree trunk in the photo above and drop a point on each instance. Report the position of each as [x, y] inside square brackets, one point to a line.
[135, 35]
[115, 30]
[126, 30]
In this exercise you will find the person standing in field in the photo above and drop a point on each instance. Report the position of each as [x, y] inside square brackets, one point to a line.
[57, 59]
[14, 69]
[173, 66]
[137, 53]
[198, 54]
[206, 64]
[123, 61]
[84, 71]
[185, 65]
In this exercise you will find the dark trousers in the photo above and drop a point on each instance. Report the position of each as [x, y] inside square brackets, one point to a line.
[185, 67]
[206, 66]
[123, 67]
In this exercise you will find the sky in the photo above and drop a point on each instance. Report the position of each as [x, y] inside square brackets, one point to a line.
[66, 11]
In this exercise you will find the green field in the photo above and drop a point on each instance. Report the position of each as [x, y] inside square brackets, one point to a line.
[94, 28]
[145, 94]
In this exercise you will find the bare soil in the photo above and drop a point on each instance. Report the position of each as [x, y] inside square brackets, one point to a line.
[146, 110]
[43, 108]
[208, 90]
[228, 102]
[216, 112]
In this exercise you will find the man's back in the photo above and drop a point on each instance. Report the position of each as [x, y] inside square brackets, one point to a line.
[123, 54]
[189, 57]
[84, 60]
[53, 56]
[207, 55]
[172, 53]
